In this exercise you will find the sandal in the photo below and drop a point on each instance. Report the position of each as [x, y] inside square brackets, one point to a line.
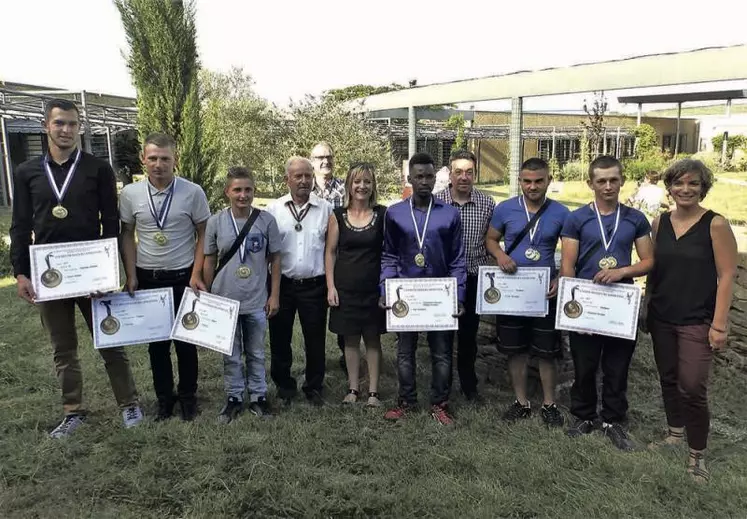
[697, 468]
[351, 397]
[373, 399]
[674, 438]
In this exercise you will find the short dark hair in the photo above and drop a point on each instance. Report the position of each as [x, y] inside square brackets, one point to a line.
[62, 104]
[535, 164]
[604, 162]
[160, 140]
[421, 158]
[235, 172]
[462, 154]
[684, 166]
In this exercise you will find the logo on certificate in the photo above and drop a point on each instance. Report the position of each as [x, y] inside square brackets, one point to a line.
[400, 308]
[109, 324]
[573, 308]
[191, 320]
[51, 277]
[492, 295]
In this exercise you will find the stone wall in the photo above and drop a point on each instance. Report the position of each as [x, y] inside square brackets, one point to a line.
[736, 353]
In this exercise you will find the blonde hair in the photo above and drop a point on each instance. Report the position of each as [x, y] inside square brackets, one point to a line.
[354, 172]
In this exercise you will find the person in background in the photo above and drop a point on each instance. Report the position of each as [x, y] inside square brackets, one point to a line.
[689, 294]
[353, 263]
[650, 198]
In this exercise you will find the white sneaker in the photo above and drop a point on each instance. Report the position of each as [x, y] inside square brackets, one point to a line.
[132, 416]
[67, 426]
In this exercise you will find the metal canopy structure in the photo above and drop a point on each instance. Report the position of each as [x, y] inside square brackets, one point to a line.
[672, 69]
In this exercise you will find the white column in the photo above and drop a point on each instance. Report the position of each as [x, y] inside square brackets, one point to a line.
[515, 145]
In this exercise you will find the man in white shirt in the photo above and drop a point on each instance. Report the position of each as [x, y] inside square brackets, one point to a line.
[302, 221]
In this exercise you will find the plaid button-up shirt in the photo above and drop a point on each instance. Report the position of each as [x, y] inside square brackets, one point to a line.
[476, 215]
[333, 191]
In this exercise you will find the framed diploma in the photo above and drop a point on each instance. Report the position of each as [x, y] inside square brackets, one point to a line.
[208, 321]
[74, 269]
[521, 293]
[421, 304]
[122, 320]
[585, 306]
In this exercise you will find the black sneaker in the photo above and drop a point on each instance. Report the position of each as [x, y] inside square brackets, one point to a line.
[165, 410]
[260, 408]
[580, 427]
[188, 407]
[231, 410]
[618, 436]
[315, 398]
[552, 416]
[517, 411]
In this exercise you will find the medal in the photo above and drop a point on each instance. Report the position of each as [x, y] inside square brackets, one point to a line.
[420, 257]
[51, 277]
[59, 210]
[532, 254]
[573, 308]
[191, 320]
[298, 216]
[608, 261]
[400, 308]
[160, 217]
[110, 324]
[243, 271]
[492, 295]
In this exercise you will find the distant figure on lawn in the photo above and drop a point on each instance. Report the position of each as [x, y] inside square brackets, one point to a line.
[689, 295]
[598, 241]
[650, 197]
[67, 196]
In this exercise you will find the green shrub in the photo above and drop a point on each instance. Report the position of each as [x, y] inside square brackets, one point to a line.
[635, 169]
[574, 170]
[6, 269]
[711, 159]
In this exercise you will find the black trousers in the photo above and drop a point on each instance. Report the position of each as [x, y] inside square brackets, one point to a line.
[160, 352]
[615, 356]
[467, 339]
[308, 297]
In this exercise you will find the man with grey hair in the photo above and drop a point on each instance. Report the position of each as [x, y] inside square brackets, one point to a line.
[302, 221]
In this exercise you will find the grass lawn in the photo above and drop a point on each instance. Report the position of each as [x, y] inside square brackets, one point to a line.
[339, 462]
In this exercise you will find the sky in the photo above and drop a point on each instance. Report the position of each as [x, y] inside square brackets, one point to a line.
[293, 48]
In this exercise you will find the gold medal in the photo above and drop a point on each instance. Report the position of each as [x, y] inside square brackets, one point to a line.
[420, 260]
[191, 320]
[59, 211]
[573, 308]
[109, 325]
[532, 254]
[608, 262]
[400, 308]
[160, 238]
[243, 272]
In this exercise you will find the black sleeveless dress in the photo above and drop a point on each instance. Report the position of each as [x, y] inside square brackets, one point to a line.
[683, 282]
[357, 273]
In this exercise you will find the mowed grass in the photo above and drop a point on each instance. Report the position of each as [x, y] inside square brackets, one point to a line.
[339, 462]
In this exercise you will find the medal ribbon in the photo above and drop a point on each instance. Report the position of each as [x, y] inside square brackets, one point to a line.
[418, 236]
[242, 247]
[606, 242]
[161, 217]
[60, 193]
[298, 215]
[532, 230]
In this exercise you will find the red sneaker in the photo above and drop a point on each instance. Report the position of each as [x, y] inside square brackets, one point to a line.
[441, 415]
[397, 413]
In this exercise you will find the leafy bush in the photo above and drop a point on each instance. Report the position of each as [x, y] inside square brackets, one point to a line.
[635, 169]
[646, 141]
[733, 142]
[6, 269]
[574, 170]
[711, 159]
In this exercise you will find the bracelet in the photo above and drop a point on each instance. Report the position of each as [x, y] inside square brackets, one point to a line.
[717, 329]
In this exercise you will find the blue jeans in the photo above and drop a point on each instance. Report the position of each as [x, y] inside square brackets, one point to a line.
[249, 338]
[441, 346]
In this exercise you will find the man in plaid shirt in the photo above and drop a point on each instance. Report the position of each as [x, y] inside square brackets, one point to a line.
[331, 189]
[476, 209]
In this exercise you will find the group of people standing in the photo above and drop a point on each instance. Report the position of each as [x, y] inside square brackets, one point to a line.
[328, 243]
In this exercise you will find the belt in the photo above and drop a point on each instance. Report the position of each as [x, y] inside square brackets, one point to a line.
[315, 281]
[164, 274]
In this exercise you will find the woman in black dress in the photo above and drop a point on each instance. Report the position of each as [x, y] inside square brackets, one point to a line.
[353, 263]
[689, 294]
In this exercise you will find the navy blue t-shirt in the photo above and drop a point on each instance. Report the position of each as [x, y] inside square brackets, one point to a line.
[582, 225]
[509, 218]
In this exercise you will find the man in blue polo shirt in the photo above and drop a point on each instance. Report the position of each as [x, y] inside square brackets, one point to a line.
[598, 240]
[520, 337]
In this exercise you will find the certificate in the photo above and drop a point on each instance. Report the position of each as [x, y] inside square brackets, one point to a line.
[73, 269]
[120, 319]
[209, 321]
[585, 306]
[421, 304]
[522, 293]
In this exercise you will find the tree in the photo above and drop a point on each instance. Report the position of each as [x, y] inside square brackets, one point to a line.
[646, 141]
[594, 125]
[456, 122]
[733, 142]
[127, 156]
[163, 61]
[341, 95]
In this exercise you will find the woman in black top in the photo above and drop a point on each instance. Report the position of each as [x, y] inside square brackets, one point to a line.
[353, 263]
[689, 294]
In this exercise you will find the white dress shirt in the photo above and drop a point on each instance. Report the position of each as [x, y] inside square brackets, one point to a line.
[302, 252]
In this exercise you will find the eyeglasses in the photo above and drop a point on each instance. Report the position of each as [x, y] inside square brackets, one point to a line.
[323, 157]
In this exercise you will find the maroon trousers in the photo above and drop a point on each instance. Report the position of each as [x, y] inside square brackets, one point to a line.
[683, 357]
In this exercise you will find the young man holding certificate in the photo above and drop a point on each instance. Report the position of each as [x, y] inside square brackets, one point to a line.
[68, 196]
[530, 225]
[169, 214]
[598, 241]
[247, 240]
[423, 239]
